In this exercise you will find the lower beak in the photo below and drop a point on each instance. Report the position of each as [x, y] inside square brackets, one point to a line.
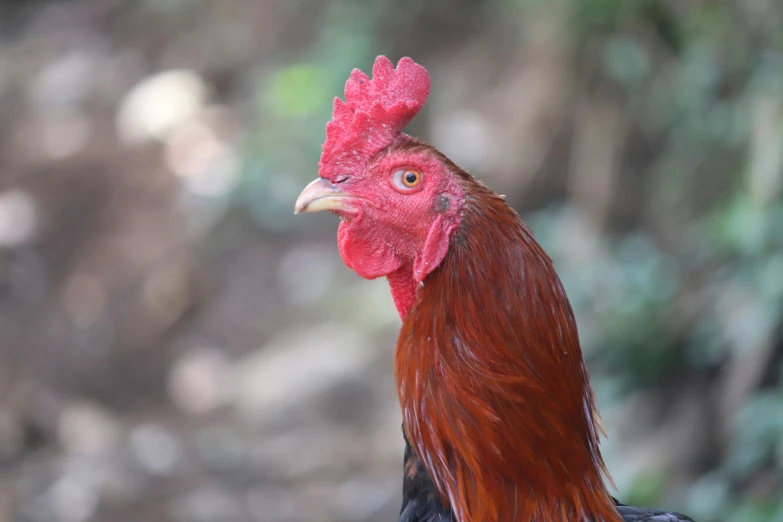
[321, 195]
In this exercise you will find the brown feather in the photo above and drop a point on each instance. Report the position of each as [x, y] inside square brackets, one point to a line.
[494, 391]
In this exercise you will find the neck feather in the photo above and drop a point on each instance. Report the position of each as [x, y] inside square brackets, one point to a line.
[493, 387]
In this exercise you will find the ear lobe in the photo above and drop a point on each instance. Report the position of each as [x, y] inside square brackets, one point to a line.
[435, 247]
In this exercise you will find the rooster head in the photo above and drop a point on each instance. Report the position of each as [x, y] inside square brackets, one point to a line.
[399, 199]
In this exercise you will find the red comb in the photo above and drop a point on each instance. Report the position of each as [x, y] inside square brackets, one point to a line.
[373, 114]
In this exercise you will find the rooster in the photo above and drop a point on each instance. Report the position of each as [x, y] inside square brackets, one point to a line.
[497, 408]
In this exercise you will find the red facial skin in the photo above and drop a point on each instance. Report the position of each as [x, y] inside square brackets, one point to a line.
[402, 233]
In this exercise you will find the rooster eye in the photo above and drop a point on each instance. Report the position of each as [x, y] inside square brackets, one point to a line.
[406, 178]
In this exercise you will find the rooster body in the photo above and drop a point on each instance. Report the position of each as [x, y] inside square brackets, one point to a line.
[420, 502]
[500, 418]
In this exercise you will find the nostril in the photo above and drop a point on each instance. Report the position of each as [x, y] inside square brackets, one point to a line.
[341, 178]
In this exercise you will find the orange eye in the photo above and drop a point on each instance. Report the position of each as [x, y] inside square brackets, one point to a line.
[411, 178]
[407, 178]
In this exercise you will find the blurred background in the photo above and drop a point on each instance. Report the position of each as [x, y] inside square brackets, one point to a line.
[175, 346]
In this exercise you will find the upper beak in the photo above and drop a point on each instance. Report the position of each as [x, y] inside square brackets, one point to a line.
[321, 195]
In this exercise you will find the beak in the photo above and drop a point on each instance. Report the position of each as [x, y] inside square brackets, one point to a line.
[321, 195]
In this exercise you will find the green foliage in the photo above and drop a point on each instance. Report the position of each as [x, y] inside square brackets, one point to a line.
[755, 512]
[710, 498]
[646, 488]
[296, 90]
[627, 61]
[758, 434]
[701, 82]
[293, 104]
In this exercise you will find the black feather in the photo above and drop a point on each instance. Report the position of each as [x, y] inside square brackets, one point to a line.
[634, 514]
[420, 499]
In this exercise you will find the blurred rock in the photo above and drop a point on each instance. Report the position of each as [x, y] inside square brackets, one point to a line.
[297, 454]
[199, 381]
[73, 494]
[71, 501]
[11, 436]
[166, 294]
[273, 504]
[296, 366]
[18, 218]
[159, 104]
[88, 429]
[155, 449]
[359, 499]
[207, 166]
[221, 449]
[84, 299]
[307, 272]
[9, 509]
[207, 505]
[64, 82]
[349, 402]
[27, 276]
[55, 136]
